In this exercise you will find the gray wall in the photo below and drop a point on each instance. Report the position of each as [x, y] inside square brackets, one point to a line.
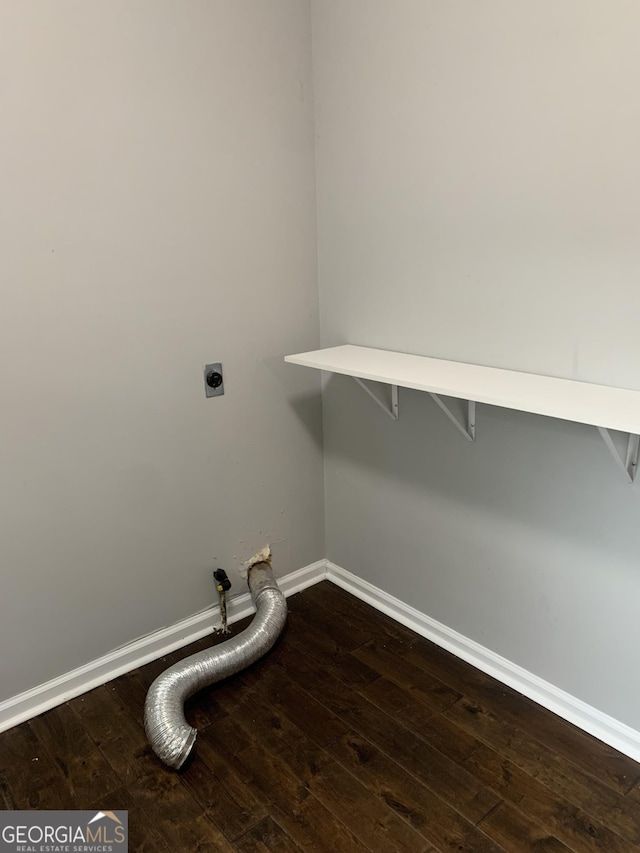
[157, 212]
[478, 199]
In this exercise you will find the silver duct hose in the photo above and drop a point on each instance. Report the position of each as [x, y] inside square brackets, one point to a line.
[169, 734]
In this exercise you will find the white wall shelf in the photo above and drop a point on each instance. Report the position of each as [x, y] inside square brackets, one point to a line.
[602, 406]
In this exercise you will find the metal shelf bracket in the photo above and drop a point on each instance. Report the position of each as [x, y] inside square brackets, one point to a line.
[626, 461]
[389, 407]
[468, 430]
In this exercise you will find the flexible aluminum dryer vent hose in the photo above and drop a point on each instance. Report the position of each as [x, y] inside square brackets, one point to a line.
[169, 734]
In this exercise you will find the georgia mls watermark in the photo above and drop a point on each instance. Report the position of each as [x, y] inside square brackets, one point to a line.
[63, 832]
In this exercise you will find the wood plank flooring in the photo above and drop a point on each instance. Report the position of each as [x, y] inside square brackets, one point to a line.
[353, 734]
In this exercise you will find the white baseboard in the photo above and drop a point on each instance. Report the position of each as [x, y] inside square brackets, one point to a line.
[39, 699]
[45, 696]
[600, 725]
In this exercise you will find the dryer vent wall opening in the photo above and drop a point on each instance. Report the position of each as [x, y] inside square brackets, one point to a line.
[170, 735]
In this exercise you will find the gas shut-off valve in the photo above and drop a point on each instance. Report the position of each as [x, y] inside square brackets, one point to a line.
[223, 585]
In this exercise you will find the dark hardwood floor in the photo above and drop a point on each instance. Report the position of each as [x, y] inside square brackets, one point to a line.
[352, 734]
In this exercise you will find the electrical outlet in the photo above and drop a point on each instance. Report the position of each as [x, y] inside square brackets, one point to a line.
[213, 380]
